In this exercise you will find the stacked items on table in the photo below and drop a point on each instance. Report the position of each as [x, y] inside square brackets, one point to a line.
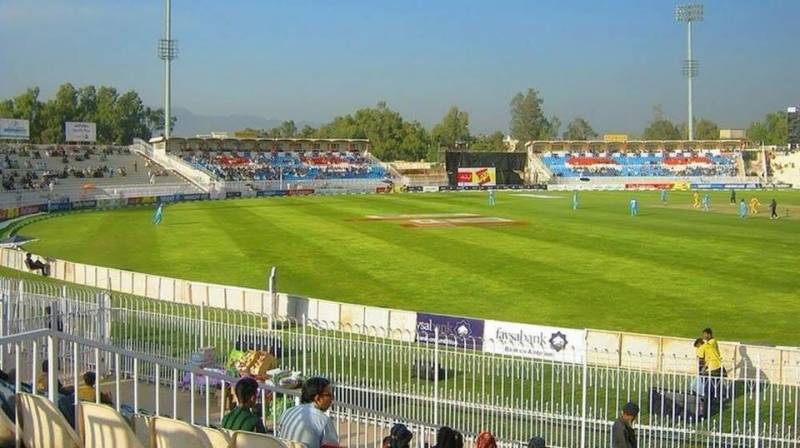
[285, 378]
[256, 363]
[203, 358]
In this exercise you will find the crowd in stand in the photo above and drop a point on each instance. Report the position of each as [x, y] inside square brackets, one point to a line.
[29, 170]
[677, 163]
[312, 165]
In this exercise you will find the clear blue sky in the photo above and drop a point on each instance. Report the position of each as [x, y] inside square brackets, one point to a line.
[608, 61]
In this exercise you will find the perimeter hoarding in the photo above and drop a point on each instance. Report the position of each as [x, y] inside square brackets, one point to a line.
[77, 131]
[534, 341]
[13, 129]
[461, 332]
[477, 177]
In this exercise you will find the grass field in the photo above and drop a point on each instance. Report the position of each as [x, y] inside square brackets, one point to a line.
[671, 270]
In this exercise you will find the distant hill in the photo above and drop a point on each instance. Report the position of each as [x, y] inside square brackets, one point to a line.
[190, 124]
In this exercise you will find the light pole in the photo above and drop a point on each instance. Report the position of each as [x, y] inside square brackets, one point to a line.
[689, 13]
[167, 52]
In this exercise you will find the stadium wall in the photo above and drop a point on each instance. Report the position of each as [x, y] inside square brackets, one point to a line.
[605, 348]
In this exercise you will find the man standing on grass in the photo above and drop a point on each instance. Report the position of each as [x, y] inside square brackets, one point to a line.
[159, 216]
[742, 209]
[706, 202]
[634, 207]
[754, 204]
[773, 209]
[696, 200]
[492, 199]
[663, 195]
[575, 199]
[733, 196]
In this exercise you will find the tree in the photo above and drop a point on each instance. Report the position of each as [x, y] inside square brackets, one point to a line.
[579, 129]
[491, 142]
[774, 130]
[662, 129]
[131, 120]
[63, 108]
[154, 119]
[453, 129]
[705, 130]
[308, 131]
[28, 107]
[106, 114]
[527, 118]
[286, 129]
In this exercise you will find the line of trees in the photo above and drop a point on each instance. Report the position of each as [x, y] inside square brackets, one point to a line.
[120, 117]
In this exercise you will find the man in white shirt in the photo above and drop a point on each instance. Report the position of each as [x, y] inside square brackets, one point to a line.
[308, 423]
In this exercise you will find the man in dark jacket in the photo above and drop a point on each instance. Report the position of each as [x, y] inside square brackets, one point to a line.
[623, 434]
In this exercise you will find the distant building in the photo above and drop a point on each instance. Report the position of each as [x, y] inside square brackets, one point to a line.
[732, 134]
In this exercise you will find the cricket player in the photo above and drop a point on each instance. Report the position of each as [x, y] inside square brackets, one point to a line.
[773, 209]
[492, 198]
[742, 209]
[706, 202]
[696, 199]
[754, 204]
[663, 195]
[575, 200]
[159, 216]
[634, 207]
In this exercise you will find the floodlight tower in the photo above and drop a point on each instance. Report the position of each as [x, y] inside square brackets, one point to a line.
[167, 52]
[690, 13]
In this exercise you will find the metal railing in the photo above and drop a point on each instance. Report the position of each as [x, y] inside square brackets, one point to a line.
[445, 382]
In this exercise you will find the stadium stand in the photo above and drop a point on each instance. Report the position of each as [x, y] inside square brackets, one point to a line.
[30, 172]
[645, 164]
[305, 165]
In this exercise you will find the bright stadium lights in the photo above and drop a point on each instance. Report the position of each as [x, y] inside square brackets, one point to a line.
[167, 52]
[690, 13]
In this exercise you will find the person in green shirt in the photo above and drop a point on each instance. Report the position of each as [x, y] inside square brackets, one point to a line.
[242, 417]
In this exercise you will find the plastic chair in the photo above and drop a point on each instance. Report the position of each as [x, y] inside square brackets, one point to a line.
[242, 439]
[218, 438]
[7, 431]
[42, 425]
[170, 433]
[101, 426]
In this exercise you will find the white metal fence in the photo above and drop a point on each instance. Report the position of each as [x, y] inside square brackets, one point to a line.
[380, 379]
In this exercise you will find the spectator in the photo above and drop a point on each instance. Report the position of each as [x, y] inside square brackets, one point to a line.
[35, 265]
[242, 418]
[712, 358]
[41, 381]
[701, 366]
[623, 434]
[308, 422]
[87, 391]
[400, 436]
[537, 442]
[449, 438]
[485, 440]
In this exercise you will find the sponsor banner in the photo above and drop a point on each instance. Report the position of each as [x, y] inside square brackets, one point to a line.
[15, 129]
[737, 186]
[649, 185]
[475, 177]
[3, 214]
[195, 197]
[233, 194]
[300, 192]
[134, 201]
[80, 131]
[78, 205]
[31, 209]
[453, 331]
[428, 189]
[534, 341]
[169, 198]
[271, 193]
[447, 188]
[59, 206]
[12, 213]
[384, 189]
[112, 203]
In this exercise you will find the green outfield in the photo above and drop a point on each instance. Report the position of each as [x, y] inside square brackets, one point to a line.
[671, 270]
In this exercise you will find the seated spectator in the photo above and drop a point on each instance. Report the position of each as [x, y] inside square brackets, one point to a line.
[449, 438]
[485, 440]
[87, 392]
[242, 418]
[34, 265]
[41, 381]
[308, 422]
[399, 437]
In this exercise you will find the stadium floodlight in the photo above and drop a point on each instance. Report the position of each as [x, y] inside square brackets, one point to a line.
[167, 52]
[690, 13]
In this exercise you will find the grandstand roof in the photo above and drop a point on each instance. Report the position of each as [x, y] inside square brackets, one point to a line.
[633, 145]
[264, 144]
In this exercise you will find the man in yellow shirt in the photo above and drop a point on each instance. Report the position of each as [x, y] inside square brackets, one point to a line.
[712, 358]
[696, 199]
[86, 392]
[754, 204]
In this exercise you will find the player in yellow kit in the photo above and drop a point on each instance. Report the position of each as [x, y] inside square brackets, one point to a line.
[696, 198]
[754, 205]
